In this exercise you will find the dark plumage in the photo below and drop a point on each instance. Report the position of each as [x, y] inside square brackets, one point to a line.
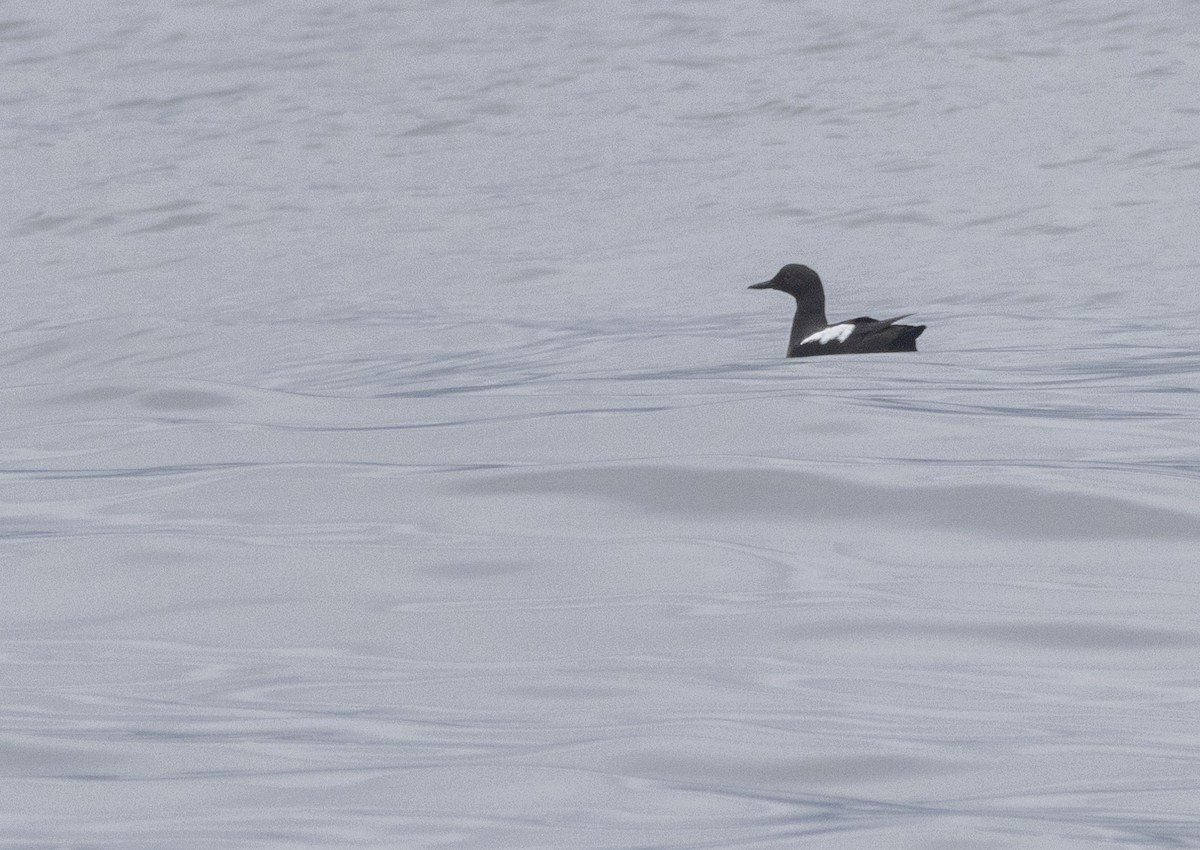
[811, 332]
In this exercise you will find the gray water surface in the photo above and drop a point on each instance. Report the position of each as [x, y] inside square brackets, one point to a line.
[393, 456]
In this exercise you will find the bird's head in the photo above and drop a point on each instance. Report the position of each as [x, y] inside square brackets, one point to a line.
[796, 280]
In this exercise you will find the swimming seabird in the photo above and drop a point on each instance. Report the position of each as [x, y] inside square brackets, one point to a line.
[811, 332]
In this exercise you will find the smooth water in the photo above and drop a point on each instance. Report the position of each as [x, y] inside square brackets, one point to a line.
[394, 457]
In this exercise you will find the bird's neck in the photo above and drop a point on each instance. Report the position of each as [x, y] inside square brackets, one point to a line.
[808, 320]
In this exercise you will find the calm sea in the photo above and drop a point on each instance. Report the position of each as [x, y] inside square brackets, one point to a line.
[393, 456]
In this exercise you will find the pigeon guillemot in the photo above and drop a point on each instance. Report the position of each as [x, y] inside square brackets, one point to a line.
[811, 332]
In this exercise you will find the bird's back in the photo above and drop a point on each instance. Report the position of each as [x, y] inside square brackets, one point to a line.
[863, 335]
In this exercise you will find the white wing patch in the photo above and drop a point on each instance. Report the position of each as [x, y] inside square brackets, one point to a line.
[834, 332]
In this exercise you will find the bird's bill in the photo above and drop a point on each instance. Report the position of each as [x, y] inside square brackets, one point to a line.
[766, 284]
